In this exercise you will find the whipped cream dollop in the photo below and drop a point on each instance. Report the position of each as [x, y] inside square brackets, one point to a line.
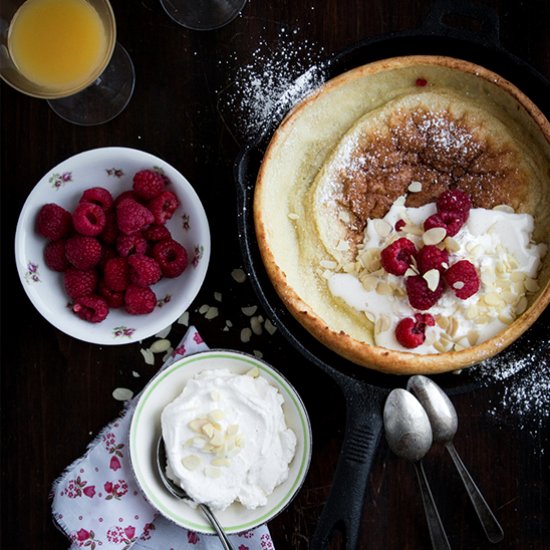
[227, 440]
[497, 242]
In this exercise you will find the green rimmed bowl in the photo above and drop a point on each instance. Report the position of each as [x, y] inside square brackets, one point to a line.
[145, 430]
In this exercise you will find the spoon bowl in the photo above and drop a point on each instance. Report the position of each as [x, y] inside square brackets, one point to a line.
[444, 422]
[409, 436]
[180, 493]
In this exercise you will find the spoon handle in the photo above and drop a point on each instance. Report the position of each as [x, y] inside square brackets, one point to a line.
[226, 543]
[435, 526]
[489, 522]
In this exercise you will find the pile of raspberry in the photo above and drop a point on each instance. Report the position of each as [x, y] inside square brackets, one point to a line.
[403, 258]
[111, 250]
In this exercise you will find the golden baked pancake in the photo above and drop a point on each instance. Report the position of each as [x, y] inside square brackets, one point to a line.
[347, 152]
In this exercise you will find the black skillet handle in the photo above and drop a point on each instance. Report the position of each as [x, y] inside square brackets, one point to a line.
[343, 510]
[462, 19]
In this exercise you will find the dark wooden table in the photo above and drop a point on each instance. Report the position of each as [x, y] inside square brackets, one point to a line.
[191, 108]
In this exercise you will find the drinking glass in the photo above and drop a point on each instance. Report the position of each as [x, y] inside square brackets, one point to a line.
[65, 51]
[203, 15]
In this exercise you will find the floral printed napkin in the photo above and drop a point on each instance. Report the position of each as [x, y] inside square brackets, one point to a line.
[97, 502]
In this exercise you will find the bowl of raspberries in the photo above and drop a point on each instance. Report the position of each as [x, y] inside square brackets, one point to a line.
[112, 245]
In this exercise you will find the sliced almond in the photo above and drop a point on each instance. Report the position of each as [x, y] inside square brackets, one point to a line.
[432, 278]
[270, 327]
[504, 208]
[505, 318]
[531, 285]
[410, 272]
[434, 235]
[246, 334]
[238, 275]
[517, 276]
[221, 462]
[521, 305]
[216, 414]
[212, 472]
[197, 424]
[492, 299]
[254, 372]
[415, 187]
[473, 337]
[208, 429]
[382, 227]
[191, 462]
[384, 289]
[442, 321]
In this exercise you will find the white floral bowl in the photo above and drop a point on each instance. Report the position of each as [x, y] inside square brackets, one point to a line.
[112, 168]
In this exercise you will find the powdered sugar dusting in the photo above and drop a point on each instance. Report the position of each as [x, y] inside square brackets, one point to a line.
[277, 77]
[525, 390]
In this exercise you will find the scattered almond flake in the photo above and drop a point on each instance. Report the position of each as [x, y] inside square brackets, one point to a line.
[531, 285]
[415, 187]
[184, 319]
[504, 208]
[218, 296]
[135, 374]
[270, 327]
[160, 346]
[257, 353]
[168, 354]
[521, 306]
[148, 356]
[328, 264]
[410, 272]
[400, 201]
[432, 277]
[212, 472]
[123, 394]
[451, 244]
[164, 333]
[220, 462]
[203, 309]
[246, 334]
[256, 325]
[293, 216]
[342, 246]
[249, 310]
[254, 372]
[434, 235]
[382, 227]
[212, 313]
[191, 462]
[238, 275]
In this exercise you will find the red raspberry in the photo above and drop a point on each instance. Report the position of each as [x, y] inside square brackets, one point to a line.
[139, 300]
[454, 200]
[131, 244]
[142, 270]
[163, 206]
[110, 231]
[83, 252]
[411, 333]
[115, 274]
[79, 283]
[397, 257]
[91, 308]
[113, 298]
[54, 255]
[148, 184]
[98, 195]
[420, 296]
[450, 221]
[156, 233]
[89, 219]
[462, 277]
[126, 195]
[400, 224]
[171, 256]
[53, 221]
[132, 216]
[431, 257]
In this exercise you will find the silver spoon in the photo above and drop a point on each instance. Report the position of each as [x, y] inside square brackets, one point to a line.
[444, 422]
[409, 436]
[178, 492]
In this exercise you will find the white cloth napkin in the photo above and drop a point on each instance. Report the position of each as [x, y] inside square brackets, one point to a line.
[96, 502]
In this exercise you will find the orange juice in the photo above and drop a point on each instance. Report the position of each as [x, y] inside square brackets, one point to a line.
[58, 44]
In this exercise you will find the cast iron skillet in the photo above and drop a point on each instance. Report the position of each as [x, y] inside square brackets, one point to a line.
[365, 390]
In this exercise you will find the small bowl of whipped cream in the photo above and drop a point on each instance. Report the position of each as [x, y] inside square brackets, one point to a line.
[237, 438]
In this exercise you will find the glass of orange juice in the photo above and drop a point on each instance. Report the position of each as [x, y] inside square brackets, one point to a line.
[66, 51]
